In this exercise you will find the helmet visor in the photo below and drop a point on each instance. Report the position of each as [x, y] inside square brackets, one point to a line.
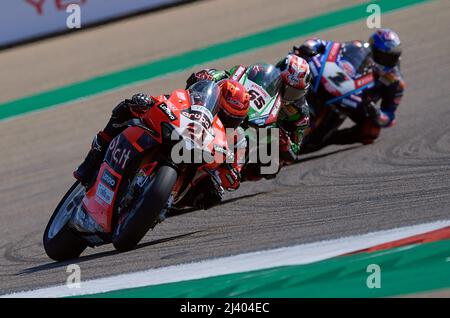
[386, 59]
[230, 121]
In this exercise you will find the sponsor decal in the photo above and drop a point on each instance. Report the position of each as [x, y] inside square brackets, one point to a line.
[165, 109]
[60, 5]
[334, 52]
[28, 19]
[203, 110]
[259, 89]
[119, 156]
[105, 194]
[198, 116]
[109, 179]
[347, 67]
[363, 80]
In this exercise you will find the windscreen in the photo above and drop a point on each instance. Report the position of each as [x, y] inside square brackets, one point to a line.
[267, 76]
[206, 94]
[357, 55]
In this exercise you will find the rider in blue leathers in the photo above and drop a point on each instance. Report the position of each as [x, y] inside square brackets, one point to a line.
[388, 89]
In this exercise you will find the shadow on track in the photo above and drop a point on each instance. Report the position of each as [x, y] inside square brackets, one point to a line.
[179, 212]
[172, 214]
[86, 258]
[326, 154]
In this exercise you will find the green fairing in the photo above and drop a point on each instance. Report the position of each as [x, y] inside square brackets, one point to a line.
[233, 69]
[299, 131]
[289, 118]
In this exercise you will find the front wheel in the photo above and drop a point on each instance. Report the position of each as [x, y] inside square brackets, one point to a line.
[60, 241]
[143, 214]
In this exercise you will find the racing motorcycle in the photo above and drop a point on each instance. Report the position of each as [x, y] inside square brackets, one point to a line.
[139, 179]
[263, 83]
[340, 76]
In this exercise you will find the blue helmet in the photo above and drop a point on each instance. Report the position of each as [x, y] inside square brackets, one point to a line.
[386, 47]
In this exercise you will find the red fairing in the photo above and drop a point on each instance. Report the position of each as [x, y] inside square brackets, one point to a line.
[364, 80]
[167, 110]
[99, 200]
[274, 113]
[219, 146]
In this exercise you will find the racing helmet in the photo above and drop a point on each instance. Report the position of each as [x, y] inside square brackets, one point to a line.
[386, 48]
[296, 77]
[234, 103]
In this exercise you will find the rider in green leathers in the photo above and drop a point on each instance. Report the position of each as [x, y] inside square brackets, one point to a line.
[293, 117]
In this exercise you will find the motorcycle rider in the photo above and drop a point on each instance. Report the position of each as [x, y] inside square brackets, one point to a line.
[293, 117]
[233, 109]
[388, 88]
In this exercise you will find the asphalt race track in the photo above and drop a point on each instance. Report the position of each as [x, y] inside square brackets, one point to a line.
[402, 179]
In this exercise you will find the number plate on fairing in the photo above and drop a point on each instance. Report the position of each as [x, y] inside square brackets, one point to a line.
[337, 81]
[261, 103]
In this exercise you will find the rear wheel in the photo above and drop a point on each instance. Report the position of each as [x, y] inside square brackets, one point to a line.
[60, 241]
[143, 214]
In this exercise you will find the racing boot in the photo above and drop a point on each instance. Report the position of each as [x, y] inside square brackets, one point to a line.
[205, 195]
[86, 171]
[207, 200]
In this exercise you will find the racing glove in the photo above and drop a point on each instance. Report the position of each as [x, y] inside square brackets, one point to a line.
[373, 112]
[198, 76]
[207, 74]
[288, 149]
[142, 99]
[129, 108]
[309, 48]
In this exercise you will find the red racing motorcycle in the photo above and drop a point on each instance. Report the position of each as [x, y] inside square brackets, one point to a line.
[140, 179]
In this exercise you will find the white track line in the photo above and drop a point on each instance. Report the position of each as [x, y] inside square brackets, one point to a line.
[293, 255]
